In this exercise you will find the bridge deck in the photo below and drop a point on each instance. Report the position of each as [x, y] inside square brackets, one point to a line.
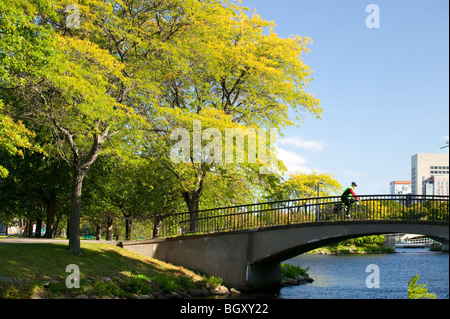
[291, 212]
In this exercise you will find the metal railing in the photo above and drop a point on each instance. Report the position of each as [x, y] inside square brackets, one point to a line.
[297, 211]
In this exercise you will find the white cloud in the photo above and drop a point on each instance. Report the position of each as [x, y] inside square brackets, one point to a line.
[352, 173]
[293, 162]
[381, 184]
[297, 142]
[377, 184]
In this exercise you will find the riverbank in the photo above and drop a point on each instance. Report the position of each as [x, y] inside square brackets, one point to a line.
[291, 275]
[346, 250]
[50, 271]
[360, 245]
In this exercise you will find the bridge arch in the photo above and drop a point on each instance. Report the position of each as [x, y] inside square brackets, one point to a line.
[245, 244]
[250, 259]
[272, 246]
[284, 242]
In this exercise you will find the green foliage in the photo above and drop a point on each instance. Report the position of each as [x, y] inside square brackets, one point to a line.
[292, 271]
[139, 284]
[175, 283]
[131, 73]
[14, 138]
[418, 291]
[102, 288]
[212, 282]
[364, 245]
[9, 291]
[366, 240]
[167, 283]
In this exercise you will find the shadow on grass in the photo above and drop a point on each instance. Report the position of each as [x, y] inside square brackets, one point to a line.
[105, 270]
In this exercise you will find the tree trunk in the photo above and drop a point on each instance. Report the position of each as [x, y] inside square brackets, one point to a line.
[38, 230]
[51, 213]
[81, 167]
[128, 224]
[109, 228]
[192, 200]
[29, 229]
[98, 232]
[75, 209]
[56, 225]
[156, 226]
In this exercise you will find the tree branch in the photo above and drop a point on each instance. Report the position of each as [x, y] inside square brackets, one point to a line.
[69, 137]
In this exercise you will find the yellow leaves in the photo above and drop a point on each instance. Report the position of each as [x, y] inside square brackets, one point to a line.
[89, 54]
[14, 137]
[302, 185]
[243, 53]
[84, 73]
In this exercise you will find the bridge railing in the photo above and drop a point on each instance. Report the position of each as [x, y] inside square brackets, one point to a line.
[296, 211]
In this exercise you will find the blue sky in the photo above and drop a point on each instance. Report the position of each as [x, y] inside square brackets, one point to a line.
[384, 90]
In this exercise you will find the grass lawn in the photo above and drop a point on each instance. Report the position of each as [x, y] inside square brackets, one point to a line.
[25, 268]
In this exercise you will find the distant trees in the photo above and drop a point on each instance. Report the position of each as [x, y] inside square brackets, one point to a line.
[304, 185]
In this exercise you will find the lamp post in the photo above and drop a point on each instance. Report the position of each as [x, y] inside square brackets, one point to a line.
[318, 188]
[318, 205]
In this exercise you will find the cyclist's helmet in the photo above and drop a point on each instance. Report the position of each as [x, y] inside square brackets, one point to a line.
[354, 184]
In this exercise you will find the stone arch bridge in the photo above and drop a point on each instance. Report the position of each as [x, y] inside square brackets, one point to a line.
[244, 245]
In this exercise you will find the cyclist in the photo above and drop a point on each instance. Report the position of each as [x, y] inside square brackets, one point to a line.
[348, 197]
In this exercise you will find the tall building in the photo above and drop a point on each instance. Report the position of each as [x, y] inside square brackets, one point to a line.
[435, 185]
[400, 187]
[430, 174]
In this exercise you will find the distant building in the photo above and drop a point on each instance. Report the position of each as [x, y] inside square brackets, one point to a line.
[10, 230]
[430, 174]
[435, 185]
[400, 187]
[3, 229]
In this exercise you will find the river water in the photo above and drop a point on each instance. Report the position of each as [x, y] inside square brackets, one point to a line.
[345, 276]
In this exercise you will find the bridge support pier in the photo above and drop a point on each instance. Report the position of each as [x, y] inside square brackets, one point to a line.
[263, 275]
[389, 241]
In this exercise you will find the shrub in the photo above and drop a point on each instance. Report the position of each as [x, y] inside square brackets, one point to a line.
[418, 291]
[291, 271]
[138, 284]
[167, 283]
[213, 282]
[102, 288]
[8, 291]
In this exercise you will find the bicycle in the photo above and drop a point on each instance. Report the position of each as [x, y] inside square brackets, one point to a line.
[340, 206]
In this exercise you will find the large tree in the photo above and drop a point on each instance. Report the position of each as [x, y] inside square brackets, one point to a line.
[91, 75]
[236, 73]
[98, 73]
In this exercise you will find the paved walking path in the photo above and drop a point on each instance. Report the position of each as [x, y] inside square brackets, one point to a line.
[18, 240]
